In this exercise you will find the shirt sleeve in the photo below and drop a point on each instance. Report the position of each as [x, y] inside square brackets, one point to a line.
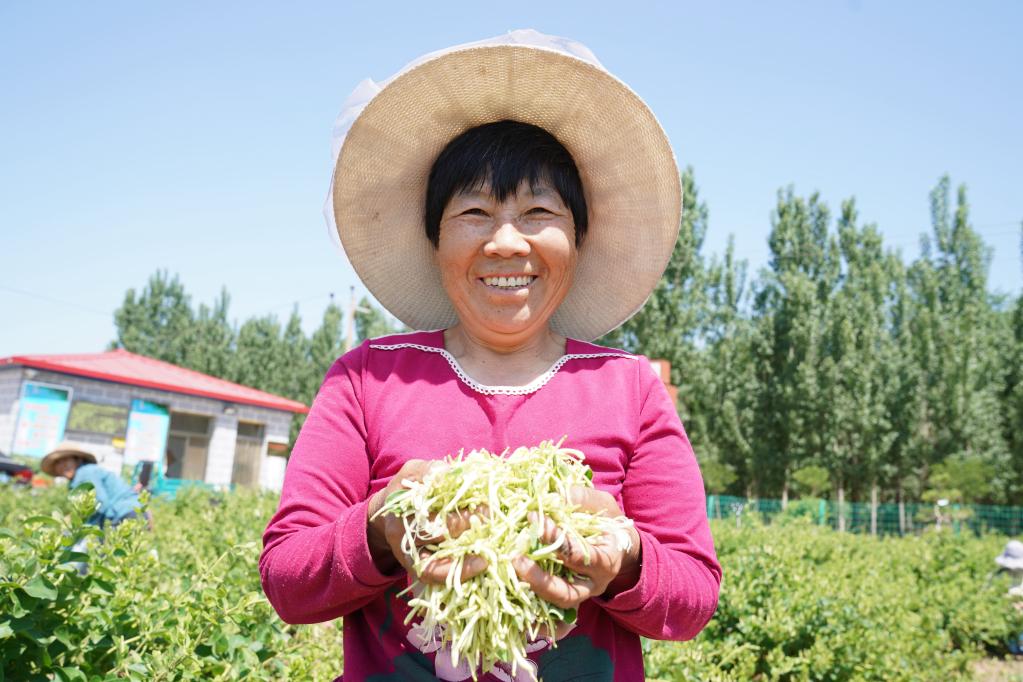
[316, 564]
[677, 590]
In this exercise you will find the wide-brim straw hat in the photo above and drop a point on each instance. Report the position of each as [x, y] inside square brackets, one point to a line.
[389, 135]
[1012, 556]
[64, 449]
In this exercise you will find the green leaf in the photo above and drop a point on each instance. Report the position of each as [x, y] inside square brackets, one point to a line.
[44, 520]
[40, 588]
[71, 674]
[101, 587]
[63, 636]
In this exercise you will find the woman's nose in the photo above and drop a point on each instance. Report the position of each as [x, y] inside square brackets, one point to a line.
[507, 242]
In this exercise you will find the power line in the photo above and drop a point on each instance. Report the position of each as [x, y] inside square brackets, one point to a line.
[300, 301]
[51, 299]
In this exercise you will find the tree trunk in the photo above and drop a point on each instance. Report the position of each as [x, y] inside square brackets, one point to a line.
[873, 508]
[785, 493]
[841, 508]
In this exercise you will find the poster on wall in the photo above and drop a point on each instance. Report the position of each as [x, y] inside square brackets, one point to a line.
[148, 424]
[42, 417]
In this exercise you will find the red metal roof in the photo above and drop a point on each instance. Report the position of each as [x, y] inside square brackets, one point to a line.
[138, 370]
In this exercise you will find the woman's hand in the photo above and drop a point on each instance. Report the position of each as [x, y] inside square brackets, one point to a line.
[610, 569]
[385, 532]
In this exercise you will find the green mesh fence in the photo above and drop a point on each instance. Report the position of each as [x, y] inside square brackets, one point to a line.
[891, 519]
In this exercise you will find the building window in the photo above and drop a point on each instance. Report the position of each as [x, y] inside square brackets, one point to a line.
[188, 445]
[111, 420]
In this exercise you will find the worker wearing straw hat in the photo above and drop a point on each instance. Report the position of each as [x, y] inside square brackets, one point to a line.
[516, 201]
[1011, 561]
[115, 499]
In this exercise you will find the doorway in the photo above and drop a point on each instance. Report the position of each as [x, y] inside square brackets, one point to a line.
[248, 451]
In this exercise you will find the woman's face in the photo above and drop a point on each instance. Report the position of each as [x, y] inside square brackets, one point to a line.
[66, 467]
[506, 266]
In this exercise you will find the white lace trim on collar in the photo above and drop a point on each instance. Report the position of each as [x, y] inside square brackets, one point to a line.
[533, 386]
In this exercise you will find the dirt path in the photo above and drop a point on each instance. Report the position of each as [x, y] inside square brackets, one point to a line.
[996, 670]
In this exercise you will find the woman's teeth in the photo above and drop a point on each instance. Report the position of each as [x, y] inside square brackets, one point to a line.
[509, 282]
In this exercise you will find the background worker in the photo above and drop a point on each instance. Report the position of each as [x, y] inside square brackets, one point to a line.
[115, 499]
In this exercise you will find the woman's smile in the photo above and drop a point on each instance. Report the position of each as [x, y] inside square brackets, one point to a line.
[508, 283]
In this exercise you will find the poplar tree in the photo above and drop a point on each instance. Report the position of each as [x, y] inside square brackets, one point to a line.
[257, 361]
[157, 322]
[326, 345]
[858, 350]
[792, 305]
[1012, 401]
[725, 399]
[211, 339]
[955, 343]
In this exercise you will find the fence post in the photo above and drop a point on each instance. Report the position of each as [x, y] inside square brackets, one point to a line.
[955, 518]
[822, 512]
[710, 506]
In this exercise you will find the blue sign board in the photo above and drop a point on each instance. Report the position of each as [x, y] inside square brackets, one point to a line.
[148, 424]
[42, 417]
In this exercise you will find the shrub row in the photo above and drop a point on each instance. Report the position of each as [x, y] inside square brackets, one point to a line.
[183, 602]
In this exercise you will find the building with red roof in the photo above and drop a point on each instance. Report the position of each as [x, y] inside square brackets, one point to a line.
[130, 410]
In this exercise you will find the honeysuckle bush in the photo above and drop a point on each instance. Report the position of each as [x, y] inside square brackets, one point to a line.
[800, 602]
[183, 602]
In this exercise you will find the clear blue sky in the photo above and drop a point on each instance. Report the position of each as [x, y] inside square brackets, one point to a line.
[195, 136]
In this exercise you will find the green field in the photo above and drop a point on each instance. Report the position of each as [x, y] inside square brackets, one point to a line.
[799, 602]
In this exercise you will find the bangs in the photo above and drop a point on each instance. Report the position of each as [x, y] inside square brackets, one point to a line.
[498, 158]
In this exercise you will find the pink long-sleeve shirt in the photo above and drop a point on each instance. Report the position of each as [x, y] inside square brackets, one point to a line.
[404, 397]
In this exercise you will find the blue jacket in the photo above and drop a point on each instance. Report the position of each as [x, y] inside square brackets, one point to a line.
[114, 498]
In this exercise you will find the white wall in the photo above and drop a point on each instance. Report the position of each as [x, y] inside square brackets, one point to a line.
[220, 459]
[10, 392]
[271, 473]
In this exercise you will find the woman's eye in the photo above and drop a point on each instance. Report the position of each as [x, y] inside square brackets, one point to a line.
[539, 210]
[474, 211]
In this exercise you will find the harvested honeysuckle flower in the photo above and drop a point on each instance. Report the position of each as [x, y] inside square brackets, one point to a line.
[490, 618]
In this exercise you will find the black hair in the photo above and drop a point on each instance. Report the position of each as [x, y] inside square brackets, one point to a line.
[502, 155]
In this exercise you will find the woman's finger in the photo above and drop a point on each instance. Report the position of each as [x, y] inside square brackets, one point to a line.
[560, 631]
[596, 501]
[584, 558]
[436, 570]
[457, 523]
[577, 554]
[560, 592]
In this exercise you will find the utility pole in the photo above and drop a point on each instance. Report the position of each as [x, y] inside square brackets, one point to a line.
[350, 330]
[353, 308]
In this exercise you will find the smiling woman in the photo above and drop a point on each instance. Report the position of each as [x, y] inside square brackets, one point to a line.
[517, 200]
